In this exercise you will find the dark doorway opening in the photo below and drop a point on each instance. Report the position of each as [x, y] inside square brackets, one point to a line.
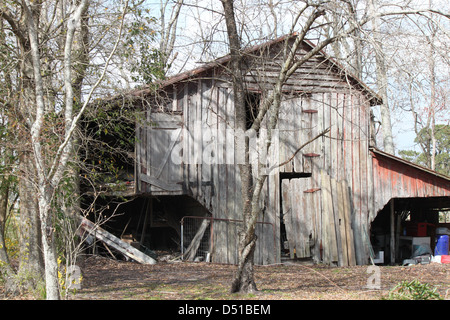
[150, 224]
[406, 227]
[295, 235]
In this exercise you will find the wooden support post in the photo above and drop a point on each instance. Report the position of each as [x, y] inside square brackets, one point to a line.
[148, 213]
[342, 224]
[397, 237]
[392, 238]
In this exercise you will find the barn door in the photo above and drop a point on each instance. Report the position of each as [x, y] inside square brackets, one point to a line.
[164, 136]
[299, 218]
[156, 146]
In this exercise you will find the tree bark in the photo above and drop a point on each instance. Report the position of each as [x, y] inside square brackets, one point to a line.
[5, 265]
[252, 185]
[243, 279]
[382, 82]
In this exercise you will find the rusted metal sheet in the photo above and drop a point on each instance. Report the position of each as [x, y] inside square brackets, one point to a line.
[397, 178]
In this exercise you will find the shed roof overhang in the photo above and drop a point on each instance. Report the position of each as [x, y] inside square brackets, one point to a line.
[395, 177]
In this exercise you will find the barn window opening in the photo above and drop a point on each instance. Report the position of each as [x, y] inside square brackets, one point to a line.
[252, 102]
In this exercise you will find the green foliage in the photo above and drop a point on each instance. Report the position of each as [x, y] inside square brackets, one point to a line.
[147, 63]
[442, 160]
[413, 290]
[107, 154]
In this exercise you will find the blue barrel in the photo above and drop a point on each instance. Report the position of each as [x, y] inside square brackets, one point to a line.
[441, 245]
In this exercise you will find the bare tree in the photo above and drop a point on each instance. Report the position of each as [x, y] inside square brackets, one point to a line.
[306, 19]
[53, 104]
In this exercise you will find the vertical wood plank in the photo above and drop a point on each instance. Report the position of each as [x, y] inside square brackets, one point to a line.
[348, 223]
[342, 224]
[287, 214]
[330, 246]
[335, 199]
[207, 143]
[392, 232]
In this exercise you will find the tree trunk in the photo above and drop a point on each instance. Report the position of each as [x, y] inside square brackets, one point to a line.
[31, 263]
[5, 265]
[382, 83]
[48, 245]
[243, 279]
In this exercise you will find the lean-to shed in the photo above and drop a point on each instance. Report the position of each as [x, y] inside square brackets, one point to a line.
[318, 205]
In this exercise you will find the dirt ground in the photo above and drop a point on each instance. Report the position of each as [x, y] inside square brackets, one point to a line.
[108, 279]
[104, 278]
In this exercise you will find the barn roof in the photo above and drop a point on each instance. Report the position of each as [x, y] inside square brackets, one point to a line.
[220, 62]
[395, 177]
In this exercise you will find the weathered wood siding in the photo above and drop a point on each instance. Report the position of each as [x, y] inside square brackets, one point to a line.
[343, 155]
[203, 114]
[392, 179]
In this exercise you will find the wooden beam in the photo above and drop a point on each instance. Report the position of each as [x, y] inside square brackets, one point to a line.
[348, 223]
[111, 240]
[392, 240]
[161, 184]
[330, 240]
[148, 214]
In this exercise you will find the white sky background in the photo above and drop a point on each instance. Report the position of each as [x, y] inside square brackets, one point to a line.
[201, 22]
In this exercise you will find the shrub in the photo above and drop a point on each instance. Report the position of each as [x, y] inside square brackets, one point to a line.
[413, 290]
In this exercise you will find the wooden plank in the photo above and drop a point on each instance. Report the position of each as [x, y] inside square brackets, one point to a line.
[230, 168]
[307, 209]
[298, 215]
[113, 241]
[208, 143]
[392, 232]
[174, 136]
[334, 192]
[160, 183]
[348, 223]
[297, 105]
[342, 224]
[287, 214]
[356, 184]
[340, 138]
[329, 232]
[148, 217]
[325, 236]
[318, 145]
[364, 164]
[308, 121]
[316, 223]
[198, 137]
[137, 167]
[220, 227]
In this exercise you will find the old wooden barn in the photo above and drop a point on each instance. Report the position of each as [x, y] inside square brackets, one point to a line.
[319, 205]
